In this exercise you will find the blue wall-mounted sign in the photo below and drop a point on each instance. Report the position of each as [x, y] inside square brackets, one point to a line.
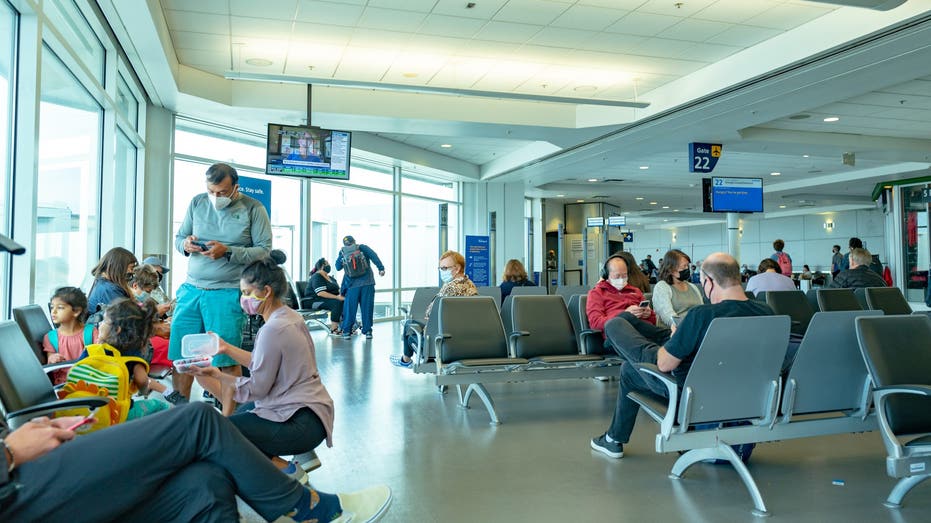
[628, 237]
[261, 190]
[703, 156]
[478, 260]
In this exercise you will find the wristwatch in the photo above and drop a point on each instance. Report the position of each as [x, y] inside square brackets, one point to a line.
[228, 255]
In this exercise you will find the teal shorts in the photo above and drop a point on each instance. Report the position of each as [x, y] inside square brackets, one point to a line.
[201, 310]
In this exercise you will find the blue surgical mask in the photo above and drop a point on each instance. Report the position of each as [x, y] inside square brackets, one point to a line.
[142, 297]
[446, 276]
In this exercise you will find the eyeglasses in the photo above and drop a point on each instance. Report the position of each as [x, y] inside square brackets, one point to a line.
[446, 268]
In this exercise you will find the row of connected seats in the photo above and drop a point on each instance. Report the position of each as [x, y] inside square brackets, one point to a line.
[887, 299]
[468, 342]
[25, 389]
[34, 324]
[846, 362]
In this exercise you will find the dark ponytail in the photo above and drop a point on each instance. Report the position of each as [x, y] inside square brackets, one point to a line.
[266, 272]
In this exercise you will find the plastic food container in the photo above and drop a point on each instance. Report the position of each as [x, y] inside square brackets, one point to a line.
[198, 351]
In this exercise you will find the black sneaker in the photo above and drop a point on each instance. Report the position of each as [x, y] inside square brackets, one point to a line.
[611, 449]
[175, 398]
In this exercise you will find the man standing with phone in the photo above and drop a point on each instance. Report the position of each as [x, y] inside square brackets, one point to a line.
[222, 232]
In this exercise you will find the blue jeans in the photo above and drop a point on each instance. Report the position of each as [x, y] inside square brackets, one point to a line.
[363, 296]
[300, 433]
[201, 310]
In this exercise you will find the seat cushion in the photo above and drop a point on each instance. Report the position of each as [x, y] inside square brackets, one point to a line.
[484, 362]
[655, 406]
[567, 358]
[924, 441]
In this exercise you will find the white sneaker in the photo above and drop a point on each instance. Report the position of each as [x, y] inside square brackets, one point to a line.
[366, 505]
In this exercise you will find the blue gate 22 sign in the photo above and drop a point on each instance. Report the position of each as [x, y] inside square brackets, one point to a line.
[703, 156]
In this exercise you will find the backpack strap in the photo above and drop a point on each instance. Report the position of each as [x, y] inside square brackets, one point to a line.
[88, 334]
[53, 338]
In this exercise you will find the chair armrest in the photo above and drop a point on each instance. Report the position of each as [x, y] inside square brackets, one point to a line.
[880, 396]
[15, 419]
[512, 341]
[672, 388]
[438, 341]
[51, 367]
[921, 390]
[404, 310]
[306, 303]
[583, 339]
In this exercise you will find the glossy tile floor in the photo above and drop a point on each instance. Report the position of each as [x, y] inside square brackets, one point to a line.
[447, 464]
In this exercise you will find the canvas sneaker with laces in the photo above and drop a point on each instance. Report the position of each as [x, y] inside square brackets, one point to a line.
[611, 449]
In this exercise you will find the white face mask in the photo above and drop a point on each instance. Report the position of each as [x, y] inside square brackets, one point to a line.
[219, 202]
[446, 276]
[618, 283]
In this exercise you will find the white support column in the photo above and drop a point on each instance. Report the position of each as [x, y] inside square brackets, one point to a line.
[733, 235]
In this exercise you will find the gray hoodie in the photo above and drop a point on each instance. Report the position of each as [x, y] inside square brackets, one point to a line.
[243, 227]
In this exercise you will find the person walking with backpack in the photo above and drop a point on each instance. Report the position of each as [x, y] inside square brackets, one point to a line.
[782, 259]
[355, 261]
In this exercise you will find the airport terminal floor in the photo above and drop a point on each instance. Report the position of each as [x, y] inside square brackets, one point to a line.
[446, 464]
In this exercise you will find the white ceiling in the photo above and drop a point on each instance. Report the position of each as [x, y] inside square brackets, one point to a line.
[609, 49]
[726, 71]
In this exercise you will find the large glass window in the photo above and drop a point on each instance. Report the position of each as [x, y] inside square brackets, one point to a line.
[119, 228]
[430, 188]
[74, 29]
[371, 176]
[420, 240]
[67, 227]
[338, 211]
[126, 102]
[8, 45]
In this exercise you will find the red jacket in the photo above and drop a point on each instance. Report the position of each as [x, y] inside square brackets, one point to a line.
[606, 302]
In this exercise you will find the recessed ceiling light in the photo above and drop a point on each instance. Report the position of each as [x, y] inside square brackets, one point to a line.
[560, 195]
[665, 207]
[775, 174]
[639, 198]
[593, 179]
[580, 201]
[804, 156]
[644, 167]
[665, 220]
[652, 203]
[831, 119]
[446, 146]
[409, 75]
[259, 62]
[675, 210]
[782, 206]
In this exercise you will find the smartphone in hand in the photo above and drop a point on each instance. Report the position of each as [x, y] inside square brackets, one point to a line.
[86, 420]
[202, 245]
[644, 303]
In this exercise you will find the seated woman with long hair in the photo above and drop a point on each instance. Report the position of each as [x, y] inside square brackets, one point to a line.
[514, 276]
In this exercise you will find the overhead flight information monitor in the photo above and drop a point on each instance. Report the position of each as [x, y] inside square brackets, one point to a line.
[735, 194]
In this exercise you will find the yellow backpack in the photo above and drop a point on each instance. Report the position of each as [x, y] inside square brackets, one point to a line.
[102, 373]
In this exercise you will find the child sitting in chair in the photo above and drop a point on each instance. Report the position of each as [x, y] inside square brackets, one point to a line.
[127, 327]
[65, 343]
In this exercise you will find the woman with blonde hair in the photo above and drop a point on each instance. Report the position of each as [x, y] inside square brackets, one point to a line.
[514, 276]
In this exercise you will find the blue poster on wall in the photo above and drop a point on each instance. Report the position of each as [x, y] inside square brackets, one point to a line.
[261, 190]
[477, 260]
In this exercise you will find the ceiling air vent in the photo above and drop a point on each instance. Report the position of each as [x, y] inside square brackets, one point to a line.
[806, 203]
[613, 180]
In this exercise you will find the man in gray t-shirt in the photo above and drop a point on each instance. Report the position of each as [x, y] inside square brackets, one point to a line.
[222, 232]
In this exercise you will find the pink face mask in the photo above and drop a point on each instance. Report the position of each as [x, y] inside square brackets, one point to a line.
[250, 304]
